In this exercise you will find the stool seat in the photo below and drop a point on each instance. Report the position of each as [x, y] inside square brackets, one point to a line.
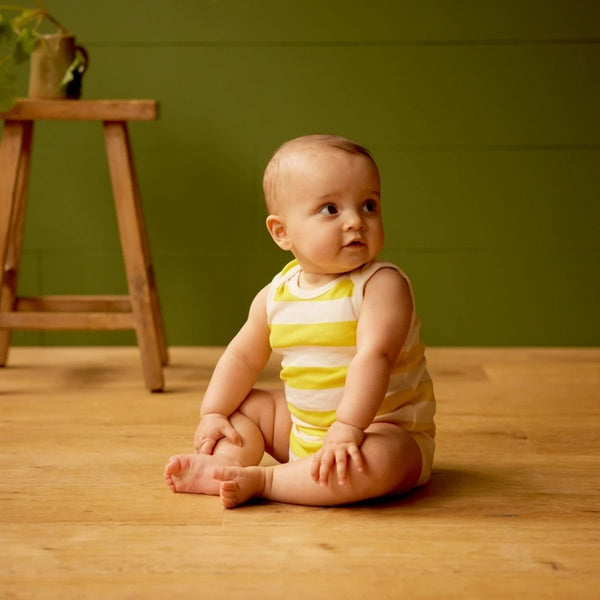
[140, 309]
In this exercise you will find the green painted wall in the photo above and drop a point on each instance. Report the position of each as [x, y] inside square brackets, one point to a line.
[483, 115]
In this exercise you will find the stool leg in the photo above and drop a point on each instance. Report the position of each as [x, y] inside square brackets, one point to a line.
[15, 155]
[140, 276]
[154, 300]
[143, 236]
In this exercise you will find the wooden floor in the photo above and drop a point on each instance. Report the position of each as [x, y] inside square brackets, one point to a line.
[512, 509]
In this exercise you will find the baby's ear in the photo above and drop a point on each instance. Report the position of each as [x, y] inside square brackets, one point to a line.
[278, 231]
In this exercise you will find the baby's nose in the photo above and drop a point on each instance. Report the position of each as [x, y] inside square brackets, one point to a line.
[354, 220]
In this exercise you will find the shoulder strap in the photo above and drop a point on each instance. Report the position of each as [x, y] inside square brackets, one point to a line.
[289, 271]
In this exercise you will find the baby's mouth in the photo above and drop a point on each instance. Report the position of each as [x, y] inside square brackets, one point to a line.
[355, 244]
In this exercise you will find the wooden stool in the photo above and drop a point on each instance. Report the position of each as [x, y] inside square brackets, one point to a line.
[139, 310]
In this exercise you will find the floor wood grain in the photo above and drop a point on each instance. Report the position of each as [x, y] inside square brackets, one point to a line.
[512, 509]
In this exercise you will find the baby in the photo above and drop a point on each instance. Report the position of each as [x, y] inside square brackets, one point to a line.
[354, 419]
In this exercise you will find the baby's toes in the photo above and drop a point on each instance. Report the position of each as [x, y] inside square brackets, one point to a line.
[228, 492]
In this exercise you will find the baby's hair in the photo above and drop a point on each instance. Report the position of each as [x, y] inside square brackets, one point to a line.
[272, 171]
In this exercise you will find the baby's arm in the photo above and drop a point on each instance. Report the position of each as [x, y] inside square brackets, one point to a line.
[233, 377]
[383, 325]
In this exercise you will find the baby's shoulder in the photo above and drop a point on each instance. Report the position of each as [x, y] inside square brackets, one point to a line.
[378, 278]
[380, 270]
[386, 279]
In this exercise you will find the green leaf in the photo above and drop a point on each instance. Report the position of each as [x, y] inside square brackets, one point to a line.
[22, 19]
[8, 89]
[24, 46]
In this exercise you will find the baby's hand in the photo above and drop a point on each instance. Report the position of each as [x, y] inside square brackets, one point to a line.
[211, 429]
[341, 442]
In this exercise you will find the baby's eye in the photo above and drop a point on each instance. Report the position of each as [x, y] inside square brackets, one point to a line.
[328, 209]
[370, 206]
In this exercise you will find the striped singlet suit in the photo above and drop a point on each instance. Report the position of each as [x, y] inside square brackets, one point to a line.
[315, 333]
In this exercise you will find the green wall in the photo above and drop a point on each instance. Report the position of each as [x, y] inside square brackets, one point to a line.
[483, 115]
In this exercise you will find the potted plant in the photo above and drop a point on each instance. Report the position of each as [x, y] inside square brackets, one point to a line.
[57, 64]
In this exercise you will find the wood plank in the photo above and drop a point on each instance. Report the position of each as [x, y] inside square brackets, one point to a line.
[511, 510]
[15, 157]
[11, 145]
[140, 278]
[99, 303]
[101, 321]
[26, 109]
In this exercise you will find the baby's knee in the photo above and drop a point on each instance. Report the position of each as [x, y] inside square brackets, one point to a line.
[268, 410]
[396, 458]
[258, 407]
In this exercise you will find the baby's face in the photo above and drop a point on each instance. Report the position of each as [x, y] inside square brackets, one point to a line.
[331, 211]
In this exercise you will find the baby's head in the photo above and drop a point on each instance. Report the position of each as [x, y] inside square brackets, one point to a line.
[277, 176]
[324, 203]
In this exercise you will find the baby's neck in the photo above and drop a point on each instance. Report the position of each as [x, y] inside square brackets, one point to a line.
[310, 281]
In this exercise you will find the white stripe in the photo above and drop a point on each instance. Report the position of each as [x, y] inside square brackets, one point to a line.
[322, 356]
[411, 414]
[325, 311]
[314, 400]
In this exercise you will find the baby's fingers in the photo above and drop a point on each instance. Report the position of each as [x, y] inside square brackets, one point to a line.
[341, 466]
[206, 446]
[232, 435]
[356, 457]
[327, 460]
[341, 460]
[316, 465]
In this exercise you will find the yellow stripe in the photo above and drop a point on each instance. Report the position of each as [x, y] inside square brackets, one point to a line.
[301, 448]
[312, 431]
[395, 401]
[424, 391]
[409, 359]
[289, 266]
[342, 289]
[315, 418]
[314, 334]
[406, 362]
[314, 378]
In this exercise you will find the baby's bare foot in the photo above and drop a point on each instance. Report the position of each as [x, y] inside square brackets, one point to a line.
[239, 484]
[194, 473]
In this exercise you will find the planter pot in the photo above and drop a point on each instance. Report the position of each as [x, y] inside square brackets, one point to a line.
[57, 66]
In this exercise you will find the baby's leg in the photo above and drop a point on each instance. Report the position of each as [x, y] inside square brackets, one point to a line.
[392, 465]
[194, 473]
[255, 421]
